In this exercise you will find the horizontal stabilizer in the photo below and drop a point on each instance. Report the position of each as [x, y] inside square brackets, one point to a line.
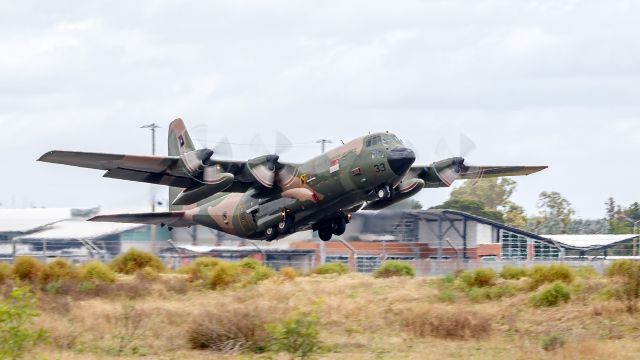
[173, 219]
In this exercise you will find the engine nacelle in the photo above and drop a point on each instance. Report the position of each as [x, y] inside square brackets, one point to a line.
[194, 161]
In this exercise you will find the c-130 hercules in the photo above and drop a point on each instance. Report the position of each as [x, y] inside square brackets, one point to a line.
[264, 198]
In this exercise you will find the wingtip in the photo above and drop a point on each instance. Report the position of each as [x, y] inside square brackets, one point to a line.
[44, 157]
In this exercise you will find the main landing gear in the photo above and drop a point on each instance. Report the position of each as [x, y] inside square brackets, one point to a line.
[284, 227]
[336, 226]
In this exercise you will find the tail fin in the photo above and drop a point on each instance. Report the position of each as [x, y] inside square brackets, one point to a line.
[179, 140]
[179, 143]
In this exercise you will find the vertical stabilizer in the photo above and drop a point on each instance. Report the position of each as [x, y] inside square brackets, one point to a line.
[179, 143]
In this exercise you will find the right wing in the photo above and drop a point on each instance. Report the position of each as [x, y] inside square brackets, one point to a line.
[445, 173]
[173, 219]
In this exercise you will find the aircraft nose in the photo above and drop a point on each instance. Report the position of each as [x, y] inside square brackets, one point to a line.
[400, 160]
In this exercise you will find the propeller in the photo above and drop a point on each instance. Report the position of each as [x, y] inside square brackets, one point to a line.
[267, 167]
[221, 149]
[457, 167]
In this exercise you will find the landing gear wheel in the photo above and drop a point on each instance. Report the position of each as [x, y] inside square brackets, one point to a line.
[325, 234]
[285, 226]
[271, 233]
[339, 226]
[383, 192]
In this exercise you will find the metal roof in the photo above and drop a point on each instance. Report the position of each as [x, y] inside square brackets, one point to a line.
[591, 241]
[78, 229]
[25, 220]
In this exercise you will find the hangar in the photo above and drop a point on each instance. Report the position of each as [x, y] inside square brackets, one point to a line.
[431, 238]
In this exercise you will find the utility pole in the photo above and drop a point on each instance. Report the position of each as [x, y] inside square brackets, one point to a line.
[153, 228]
[323, 143]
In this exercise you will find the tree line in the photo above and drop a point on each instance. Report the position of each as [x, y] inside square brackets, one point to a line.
[491, 199]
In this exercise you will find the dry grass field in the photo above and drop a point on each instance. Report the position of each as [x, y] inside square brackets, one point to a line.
[359, 317]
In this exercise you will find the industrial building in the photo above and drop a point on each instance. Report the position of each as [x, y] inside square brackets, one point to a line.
[435, 241]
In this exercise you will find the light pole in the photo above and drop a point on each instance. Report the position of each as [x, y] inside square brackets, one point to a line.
[153, 228]
[323, 143]
[635, 232]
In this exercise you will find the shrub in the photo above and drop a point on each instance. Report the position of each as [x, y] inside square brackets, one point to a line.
[551, 296]
[288, 273]
[5, 272]
[331, 268]
[200, 268]
[27, 268]
[445, 323]
[510, 272]
[95, 272]
[548, 274]
[586, 272]
[134, 260]
[478, 278]
[552, 342]
[58, 271]
[223, 276]
[249, 264]
[237, 328]
[262, 273]
[147, 274]
[394, 269]
[297, 335]
[17, 314]
[627, 274]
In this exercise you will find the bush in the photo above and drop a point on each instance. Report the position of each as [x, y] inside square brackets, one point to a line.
[445, 323]
[548, 274]
[27, 268]
[491, 293]
[249, 264]
[57, 271]
[223, 276]
[478, 278]
[147, 274]
[134, 260]
[262, 273]
[394, 269]
[5, 272]
[297, 335]
[237, 328]
[331, 268]
[586, 272]
[552, 342]
[288, 273]
[200, 268]
[627, 274]
[17, 314]
[552, 296]
[510, 272]
[95, 272]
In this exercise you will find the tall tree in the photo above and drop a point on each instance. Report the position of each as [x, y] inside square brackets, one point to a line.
[494, 193]
[555, 214]
[514, 215]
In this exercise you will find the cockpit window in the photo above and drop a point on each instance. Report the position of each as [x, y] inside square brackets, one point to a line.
[373, 141]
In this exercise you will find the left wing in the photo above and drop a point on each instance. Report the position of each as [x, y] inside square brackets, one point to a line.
[161, 170]
[445, 173]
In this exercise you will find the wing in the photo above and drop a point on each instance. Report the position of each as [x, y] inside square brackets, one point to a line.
[445, 173]
[161, 170]
[173, 219]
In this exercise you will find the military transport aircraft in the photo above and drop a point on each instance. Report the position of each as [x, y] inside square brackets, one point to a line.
[264, 198]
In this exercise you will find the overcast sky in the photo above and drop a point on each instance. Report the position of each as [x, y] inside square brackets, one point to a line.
[532, 82]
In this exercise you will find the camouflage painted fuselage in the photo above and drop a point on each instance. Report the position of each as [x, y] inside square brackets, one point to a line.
[311, 193]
